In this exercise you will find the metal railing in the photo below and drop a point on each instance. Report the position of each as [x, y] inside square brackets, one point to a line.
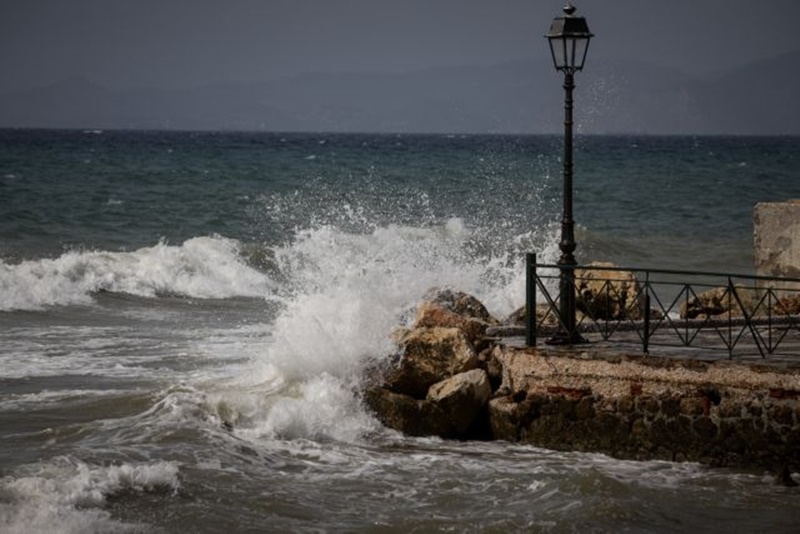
[688, 310]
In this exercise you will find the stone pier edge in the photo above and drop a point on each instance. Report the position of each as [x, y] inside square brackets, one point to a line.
[721, 413]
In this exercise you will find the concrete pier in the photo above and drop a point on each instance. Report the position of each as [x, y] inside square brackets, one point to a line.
[722, 413]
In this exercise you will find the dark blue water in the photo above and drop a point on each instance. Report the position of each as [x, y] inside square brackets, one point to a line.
[154, 285]
[123, 189]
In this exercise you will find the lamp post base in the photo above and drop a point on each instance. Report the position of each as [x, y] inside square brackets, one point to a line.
[565, 338]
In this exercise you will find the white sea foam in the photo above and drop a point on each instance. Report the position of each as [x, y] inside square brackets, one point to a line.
[320, 409]
[352, 289]
[346, 294]
[202, 267]
[50, 398]
[64, 495]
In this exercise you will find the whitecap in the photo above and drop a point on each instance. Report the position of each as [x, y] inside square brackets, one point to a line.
[65, 495]
[202, 267]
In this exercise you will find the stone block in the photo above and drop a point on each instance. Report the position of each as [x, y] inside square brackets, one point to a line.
[625, 405]
[585, 408]
[705, 428]
[782, 414]
[692, 406]
[647, 405]
[671, 406]
[776, 239]
[755, 409]
[731, 409]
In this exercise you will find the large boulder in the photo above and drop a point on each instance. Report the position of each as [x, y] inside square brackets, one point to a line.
[437, 384]
[427, 356]
[461, 398]
[413, 417]
[608, 294]
[545, 315]
[432, 315]
[450, 408]
[720, 302]
[788, 305]
[506, 416]
[453, 309]
[397, 411]
[459, 303]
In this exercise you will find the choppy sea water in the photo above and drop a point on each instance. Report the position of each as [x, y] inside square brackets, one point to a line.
[184, 318]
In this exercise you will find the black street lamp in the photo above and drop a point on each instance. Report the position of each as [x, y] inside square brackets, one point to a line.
[569, 37]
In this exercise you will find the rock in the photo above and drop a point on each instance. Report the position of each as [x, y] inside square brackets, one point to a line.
[720, 301]
[494, 369]
[545, 315]
[433, 314]
[460, 304]
[397, 411]
[454, 309]
[788, 305]
[706, 304]
[429, 355]
[517, 317]
[451, 407]
[461, 398]
[434, 385]
[600, 293]
[504, 414]
[607, 294]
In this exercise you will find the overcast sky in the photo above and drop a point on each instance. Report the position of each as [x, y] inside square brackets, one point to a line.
[182, 43]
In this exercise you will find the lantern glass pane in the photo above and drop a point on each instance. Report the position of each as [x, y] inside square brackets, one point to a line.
[579, 48]
[558, 49]
[571, 49]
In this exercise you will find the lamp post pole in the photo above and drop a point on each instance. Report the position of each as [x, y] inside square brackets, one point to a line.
[569, 38]
[567, 334]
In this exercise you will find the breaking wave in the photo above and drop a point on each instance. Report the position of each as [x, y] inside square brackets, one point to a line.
[202, 267]
[66, 495]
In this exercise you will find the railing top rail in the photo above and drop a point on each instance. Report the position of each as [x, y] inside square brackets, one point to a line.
[669, 272]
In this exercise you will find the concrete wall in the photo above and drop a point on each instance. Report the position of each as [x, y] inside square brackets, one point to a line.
[761, 432]
[776, 239]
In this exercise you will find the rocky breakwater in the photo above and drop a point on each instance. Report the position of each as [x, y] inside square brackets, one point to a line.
[449, 380]
[438, 384]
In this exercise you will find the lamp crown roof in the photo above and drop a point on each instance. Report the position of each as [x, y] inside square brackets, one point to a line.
[569, 25]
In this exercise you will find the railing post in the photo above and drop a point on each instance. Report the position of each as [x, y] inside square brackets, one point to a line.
[530, 299]
[730, 317]
[646, 311]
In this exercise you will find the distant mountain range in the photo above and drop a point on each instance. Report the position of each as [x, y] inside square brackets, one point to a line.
[513, 97]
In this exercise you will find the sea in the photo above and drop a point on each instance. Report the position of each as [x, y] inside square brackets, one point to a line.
[185, 318]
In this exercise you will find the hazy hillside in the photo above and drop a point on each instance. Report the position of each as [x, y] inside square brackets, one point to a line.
[760, 98]
[611, 97]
